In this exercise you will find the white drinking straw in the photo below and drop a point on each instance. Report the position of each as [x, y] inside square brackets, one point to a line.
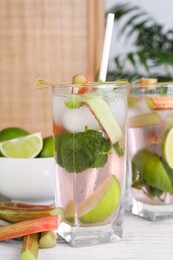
[92, 179]
[106, 47]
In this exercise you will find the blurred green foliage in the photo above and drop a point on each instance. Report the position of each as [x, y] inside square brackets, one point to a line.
[153, 54]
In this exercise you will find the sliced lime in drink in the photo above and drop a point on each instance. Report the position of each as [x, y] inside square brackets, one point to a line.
[100, 205]
[23, 147]
[151, 170]
[167, 147]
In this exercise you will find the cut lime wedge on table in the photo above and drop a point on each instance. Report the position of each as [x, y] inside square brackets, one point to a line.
[100, 205]
[167, 147]
[23, 147]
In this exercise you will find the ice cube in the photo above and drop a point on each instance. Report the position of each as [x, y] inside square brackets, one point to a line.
[118, 108]
[58, 109]
[75, 120]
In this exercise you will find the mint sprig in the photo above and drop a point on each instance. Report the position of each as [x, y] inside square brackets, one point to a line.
[77, 152]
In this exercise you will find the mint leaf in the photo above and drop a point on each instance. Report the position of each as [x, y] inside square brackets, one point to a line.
[118, 149]
[77, 152]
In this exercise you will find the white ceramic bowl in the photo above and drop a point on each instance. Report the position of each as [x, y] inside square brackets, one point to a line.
[27, 180]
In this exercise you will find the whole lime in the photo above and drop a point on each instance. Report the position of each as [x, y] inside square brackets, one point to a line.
[47, 150]
[11, 133]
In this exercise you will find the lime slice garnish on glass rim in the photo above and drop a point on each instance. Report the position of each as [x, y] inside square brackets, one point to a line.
[23, 147]
[167, 147]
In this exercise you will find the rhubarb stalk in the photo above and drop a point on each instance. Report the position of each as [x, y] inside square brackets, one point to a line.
[30, 247]
[15, 215]
[27, 227]
[8, 204]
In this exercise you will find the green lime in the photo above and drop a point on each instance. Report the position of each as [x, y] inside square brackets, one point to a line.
[11, 133]
[100, 205]
[151, 170]
[167, 147]
[47, 150]
[23, 147]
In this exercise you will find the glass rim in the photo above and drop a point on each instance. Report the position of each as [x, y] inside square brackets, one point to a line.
[137, 83]
[41, 84]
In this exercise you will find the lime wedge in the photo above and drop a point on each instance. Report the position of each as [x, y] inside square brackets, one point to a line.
[100, 205]
[151, 170]
[23, 147]
[167, 147]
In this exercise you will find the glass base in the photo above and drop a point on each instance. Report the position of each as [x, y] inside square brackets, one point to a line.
[150, 212]
[78, 236]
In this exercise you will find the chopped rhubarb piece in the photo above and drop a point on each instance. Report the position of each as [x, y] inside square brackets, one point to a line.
[27, 227]
[148, 83]
[143, 120]
[30, 247]
[58, 129]
[83, 89]
[104, 116]
[17, 215]
[82, 80]
[24, 206]
[159, 102]
[48, 239]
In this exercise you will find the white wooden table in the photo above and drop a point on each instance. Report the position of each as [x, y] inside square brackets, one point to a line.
[143, 240]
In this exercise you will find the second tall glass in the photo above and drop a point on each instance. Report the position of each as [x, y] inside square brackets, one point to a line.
[150, 146]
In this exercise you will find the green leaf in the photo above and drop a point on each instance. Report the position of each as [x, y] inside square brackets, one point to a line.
[121, 9]
[143, 59]
[131, 58]
[77, 152]
[132, 21]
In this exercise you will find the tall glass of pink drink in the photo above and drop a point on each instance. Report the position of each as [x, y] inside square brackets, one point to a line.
[89, 123]
[150, 147]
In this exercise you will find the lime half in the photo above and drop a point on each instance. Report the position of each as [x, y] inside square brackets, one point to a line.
[167, 147]
[23, 147]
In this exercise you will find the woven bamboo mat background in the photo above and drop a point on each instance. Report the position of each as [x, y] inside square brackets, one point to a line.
[49, 39]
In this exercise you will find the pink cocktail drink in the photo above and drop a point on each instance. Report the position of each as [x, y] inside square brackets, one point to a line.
[89, 144]
[150, 140]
